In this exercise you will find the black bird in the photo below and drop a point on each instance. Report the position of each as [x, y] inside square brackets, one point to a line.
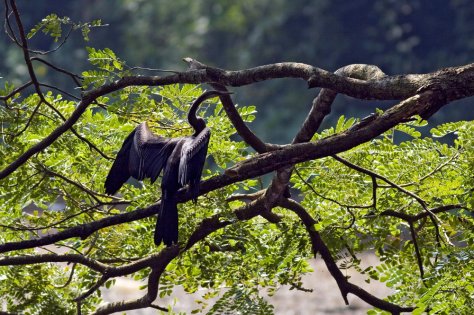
[144, 154]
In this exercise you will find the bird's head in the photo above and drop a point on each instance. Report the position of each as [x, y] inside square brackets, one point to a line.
[199, 124]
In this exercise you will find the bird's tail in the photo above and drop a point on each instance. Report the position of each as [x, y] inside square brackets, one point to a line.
[166, 230]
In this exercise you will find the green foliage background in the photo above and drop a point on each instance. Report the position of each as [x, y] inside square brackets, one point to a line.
[70, 173]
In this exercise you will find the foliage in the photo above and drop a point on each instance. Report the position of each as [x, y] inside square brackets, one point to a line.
[355, 211]
[341, 200]
[52, 25]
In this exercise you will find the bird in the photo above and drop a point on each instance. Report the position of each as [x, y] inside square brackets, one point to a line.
[145, 154]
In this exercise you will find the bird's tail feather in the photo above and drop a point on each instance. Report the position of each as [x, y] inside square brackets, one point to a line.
[166, 230]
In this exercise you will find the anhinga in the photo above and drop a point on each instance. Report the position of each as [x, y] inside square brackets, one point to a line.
[144, 154]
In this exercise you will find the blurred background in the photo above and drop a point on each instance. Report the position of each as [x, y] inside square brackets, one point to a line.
[399, 36]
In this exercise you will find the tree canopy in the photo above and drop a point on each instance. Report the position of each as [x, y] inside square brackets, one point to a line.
[390, 182]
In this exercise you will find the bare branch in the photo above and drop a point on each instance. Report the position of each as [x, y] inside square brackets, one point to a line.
[63, 41]
[247, 135]
[322, 103]
[24, 47]
[73, 76]
[8, 27]
[251, 197]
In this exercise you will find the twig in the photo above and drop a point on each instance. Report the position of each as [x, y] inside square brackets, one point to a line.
[342, 205]
[60, 90]
[63, 41]
[413, 218]
[436, 169]
[69, 181]
[15, 91]
[73, 130]
[73, 76]
[24, 46]
[92, 289]
[69, 280]
[8, 28]
[35, 110]
[375, 175]
[417, 251]
[251, 197]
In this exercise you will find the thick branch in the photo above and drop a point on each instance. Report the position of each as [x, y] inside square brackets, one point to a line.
[321, 106]
[247, 135]
[344, 141]
[457, 83]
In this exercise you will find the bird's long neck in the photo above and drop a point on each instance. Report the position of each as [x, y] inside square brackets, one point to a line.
[197, 123]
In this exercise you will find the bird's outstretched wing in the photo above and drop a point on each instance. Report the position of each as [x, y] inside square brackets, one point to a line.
[142, 155]
[155, 157]
[193, 156]
[149, 154]
[119, 172]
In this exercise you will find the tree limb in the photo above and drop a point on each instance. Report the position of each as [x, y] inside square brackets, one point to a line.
[458, 83]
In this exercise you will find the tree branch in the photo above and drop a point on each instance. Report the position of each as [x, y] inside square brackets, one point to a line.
[24, 47]
[44, 258]
[417, 251]
[345, 286]
[15, 91]
[247, 135]
[321, 106]
[375, 175]
[76, 78]
[458, 83]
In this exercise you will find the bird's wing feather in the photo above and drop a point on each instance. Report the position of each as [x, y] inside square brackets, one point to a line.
[156, 155]
[119, 172]
[150, 154]
[193, 156]
[143, 155]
